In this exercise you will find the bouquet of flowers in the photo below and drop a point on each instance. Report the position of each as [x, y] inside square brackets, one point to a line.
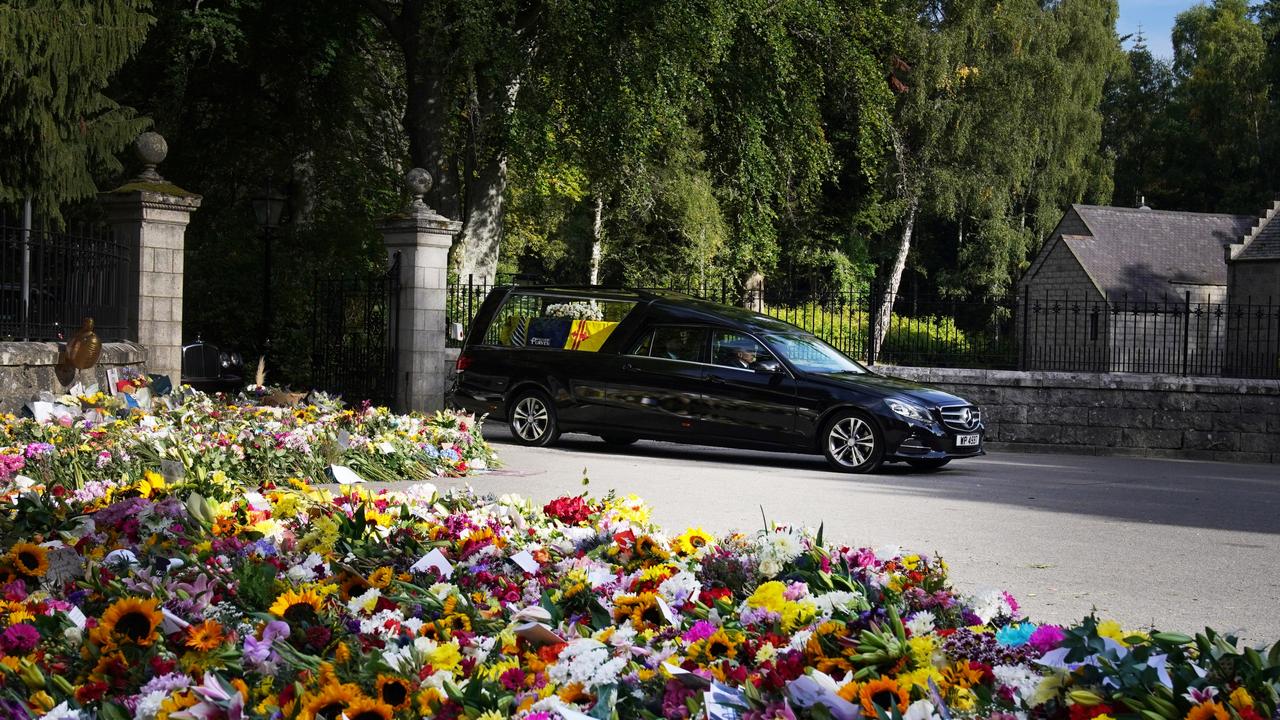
[580, 310]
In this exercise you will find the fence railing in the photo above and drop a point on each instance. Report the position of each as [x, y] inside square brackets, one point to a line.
[1169, 335]
[50, 280]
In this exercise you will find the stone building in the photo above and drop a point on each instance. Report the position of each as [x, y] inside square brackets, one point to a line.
[1129, 290]
[1253, 291]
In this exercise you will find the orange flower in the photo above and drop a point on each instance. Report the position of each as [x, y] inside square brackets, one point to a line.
[883, 693]
[206, 636]
[394, 691]
[133, 619]
[1208, 710]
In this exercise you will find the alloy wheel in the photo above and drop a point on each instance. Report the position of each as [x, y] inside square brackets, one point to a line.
[851, 441]
[530, 418]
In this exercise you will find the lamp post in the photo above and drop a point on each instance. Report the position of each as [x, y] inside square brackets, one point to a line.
[268, 207]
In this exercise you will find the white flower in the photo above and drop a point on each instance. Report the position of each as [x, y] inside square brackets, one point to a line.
[62, 712]
[828, 603]
[989, 604]
[364, 603]
[149, 705]
[586, 661]
[921, 710]
[680, 587]
[921, 623]
[1022, 680]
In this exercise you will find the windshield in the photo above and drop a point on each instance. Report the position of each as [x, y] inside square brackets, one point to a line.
[809, 354]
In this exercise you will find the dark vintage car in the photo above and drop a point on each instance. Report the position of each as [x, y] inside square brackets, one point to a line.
[206, 367]
[629, 364]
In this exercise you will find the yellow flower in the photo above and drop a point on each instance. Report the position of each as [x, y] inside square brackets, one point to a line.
[292, 605]
[381, 577]
[331, 701]
[693, 540]
[29, 559]
[133, 619]
[363, 708]
[883, 693]
[1240, 698]
[1111, 629]
[769, 596]
[446, 657]
[152, 482]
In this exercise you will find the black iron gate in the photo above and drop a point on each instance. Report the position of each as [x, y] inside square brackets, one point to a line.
[355, 326]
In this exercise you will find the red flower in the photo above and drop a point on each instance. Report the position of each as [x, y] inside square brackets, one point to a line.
[569, 510]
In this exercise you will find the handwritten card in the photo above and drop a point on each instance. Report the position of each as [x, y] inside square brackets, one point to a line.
[434, 559]
[526, 562]
[344, 475]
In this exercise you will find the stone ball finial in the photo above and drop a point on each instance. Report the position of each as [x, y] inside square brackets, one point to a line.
[418, 181]
[151, 149]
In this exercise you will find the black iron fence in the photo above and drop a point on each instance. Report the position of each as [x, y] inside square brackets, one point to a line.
[355, 330]
[1169, 335]
[50, 280]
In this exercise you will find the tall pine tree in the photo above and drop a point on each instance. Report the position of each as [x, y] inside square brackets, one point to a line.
[57, 127]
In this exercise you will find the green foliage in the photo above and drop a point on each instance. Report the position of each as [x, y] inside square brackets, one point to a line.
[57, 126]
[923, 340]
[1002, 128]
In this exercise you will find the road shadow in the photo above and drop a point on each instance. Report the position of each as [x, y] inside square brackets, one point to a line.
[1223, 496]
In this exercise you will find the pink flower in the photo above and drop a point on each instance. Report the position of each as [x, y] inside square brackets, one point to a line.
[1046, 638]
[20, 639]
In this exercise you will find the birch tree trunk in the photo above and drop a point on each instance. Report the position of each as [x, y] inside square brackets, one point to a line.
[597, 242]
[476, 249]
[911, 194]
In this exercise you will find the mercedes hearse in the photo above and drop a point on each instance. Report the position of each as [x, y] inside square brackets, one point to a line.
[628, 364]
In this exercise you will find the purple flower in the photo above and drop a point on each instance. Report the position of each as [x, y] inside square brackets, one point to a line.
[38, 449]
[259, 651]
[701, 630]
[1046, 638]
[20, 639]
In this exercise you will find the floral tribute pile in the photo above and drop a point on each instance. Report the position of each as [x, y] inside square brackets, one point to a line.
[128, 597]
[227, 447]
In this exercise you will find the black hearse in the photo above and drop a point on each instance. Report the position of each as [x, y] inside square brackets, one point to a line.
[629, 364]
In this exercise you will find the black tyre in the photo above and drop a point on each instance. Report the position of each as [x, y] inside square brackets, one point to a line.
[619, 440]
[851, 442]
[928, 464]
[533, 419]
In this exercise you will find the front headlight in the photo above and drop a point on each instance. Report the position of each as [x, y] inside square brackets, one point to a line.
[909, 411]
[224, 359]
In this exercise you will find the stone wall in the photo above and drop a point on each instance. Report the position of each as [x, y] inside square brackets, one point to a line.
[1200, 418]
[26, 368]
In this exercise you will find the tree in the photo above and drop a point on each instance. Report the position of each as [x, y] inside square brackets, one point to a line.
[1136, 106]
[1221, 105]
[59, 129]
[464, 65]
[997, 127]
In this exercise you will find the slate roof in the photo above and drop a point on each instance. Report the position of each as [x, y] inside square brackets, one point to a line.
[1141, 251]
[1265, 245]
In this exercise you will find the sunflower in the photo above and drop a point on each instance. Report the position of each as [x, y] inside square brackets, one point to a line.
[330, 703]
[297, 606]
[364, 708]
[133, 619]
[29, 559]
[205, 636]
[1208, 710]
[693, 540]
[883, 693]
[721, 645]
[381, 577]
[642, 610]
[394, 691]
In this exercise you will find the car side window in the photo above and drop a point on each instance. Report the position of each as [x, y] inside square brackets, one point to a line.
[736, 350]
[679, 343]
[641, 346]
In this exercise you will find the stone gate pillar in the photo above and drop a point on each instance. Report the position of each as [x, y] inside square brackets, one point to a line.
[422, 237]
[150, 215]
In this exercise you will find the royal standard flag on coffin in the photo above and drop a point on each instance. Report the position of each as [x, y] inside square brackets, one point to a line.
[588, 335]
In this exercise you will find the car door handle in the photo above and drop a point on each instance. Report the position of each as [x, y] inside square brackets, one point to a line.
[628, 367]
[715, 379]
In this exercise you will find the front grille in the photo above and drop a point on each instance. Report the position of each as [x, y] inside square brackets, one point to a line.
[961, 417]
[201, 361]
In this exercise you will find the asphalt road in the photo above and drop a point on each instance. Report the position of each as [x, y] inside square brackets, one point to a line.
[1175, 544]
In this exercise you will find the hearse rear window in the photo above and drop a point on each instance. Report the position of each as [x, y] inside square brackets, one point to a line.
[555, 322]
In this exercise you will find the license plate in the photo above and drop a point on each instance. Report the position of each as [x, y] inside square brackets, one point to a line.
[967, 440]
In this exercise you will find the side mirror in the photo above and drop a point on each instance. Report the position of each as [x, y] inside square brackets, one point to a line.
[768, 366]
[457, 332]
